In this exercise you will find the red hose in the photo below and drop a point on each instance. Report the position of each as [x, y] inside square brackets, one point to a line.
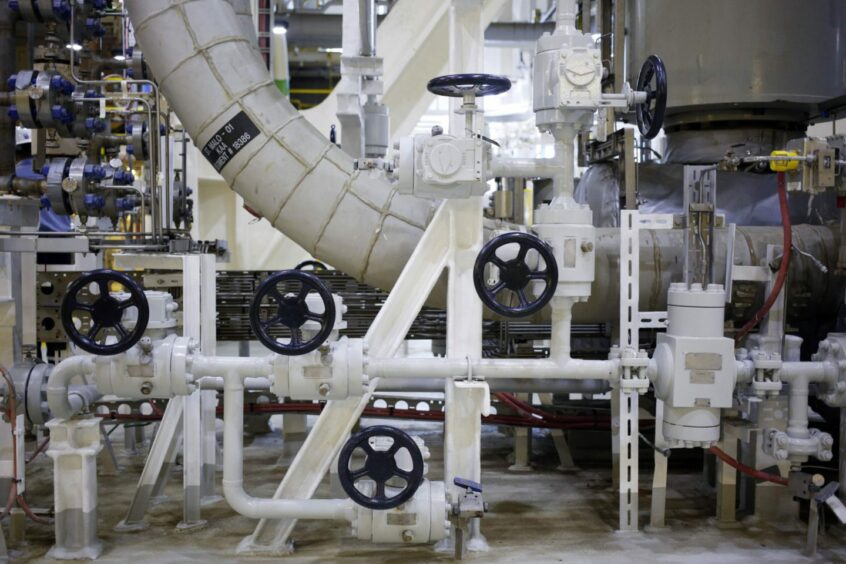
[783, 269]
[748, 470]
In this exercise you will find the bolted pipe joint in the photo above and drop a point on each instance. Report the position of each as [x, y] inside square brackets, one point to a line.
[782, 446]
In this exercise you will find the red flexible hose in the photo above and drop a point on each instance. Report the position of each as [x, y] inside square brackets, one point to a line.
[783, 269]
[748, 470]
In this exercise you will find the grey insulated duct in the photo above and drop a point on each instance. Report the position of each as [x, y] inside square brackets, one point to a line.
[284, 168]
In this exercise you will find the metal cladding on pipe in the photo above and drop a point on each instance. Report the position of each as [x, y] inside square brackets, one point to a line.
[284, 168]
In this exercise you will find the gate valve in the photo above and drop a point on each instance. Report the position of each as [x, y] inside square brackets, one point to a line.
[653, 81]
[381, 466]
[516, 274]
[105, 311]
[279, 311]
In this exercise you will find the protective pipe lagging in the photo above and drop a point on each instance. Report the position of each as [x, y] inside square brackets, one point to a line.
[58, 384]
[233, 472]
[287, 171]
[537, 369]
[244, 13]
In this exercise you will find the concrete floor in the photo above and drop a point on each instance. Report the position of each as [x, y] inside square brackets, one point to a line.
[542, 516]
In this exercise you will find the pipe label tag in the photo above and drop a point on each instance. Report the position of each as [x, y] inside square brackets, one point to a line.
[229, 140]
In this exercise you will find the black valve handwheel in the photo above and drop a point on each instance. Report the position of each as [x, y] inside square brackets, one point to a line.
[105, 312]
[653, 81]
[279, 310]
[381, 467]
[457, 85]
[515, 274]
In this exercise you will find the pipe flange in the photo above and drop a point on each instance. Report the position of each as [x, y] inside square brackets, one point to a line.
[833, 350]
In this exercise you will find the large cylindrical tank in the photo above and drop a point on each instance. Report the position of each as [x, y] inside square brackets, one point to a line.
[735, 62]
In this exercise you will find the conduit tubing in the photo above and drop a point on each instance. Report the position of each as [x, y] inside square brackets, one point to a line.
[233, 472]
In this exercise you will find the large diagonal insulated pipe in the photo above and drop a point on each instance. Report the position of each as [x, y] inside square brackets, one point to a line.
[285, 170]
[202, 54]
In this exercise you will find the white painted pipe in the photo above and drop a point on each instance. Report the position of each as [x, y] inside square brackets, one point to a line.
[799, 375]
[515, 167]
[539, 369]
[233, 472]
[62, 405]
[261, 367]
[514, 385]
[217, 383]
[286, 171]
[562, 318]
[565, 15]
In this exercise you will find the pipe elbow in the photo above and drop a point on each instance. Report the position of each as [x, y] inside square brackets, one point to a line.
[58, 385]
[238, 499]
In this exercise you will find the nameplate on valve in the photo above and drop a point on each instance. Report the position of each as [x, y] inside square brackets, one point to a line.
[229, 140]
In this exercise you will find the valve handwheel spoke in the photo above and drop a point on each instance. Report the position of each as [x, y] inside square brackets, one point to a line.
[282, 301]
[515, 275]
[457, 85]
[653, 81]
[380, 466]
[105, 312]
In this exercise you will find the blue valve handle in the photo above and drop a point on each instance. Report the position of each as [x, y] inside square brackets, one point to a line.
[467, 484]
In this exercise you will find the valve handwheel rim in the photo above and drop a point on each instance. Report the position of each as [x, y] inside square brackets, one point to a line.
[652, 80]
[380, 466]
[289, 310]
[515, 274]
[457, 85]
[105, 312]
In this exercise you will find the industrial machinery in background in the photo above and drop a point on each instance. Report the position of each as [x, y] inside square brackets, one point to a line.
[697, 275]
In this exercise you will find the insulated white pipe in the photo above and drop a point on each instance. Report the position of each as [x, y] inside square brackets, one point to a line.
[244, 12]
[64, 405]
[284, 168]
[233, 472]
